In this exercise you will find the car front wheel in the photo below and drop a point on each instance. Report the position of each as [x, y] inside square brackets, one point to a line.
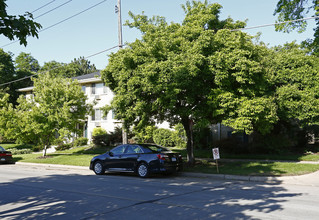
[98, 168]
[142, 170]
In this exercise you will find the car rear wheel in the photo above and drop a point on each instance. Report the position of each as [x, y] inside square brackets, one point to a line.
[142, 170]
[98, 168]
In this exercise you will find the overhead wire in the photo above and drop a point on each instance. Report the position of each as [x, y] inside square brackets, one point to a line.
[27, 77]
[53, 9]
[68, 18]
[43, 6]
[273, 24]
[64, 20]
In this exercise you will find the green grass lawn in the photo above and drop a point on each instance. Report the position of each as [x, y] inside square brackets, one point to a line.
[199, 153]
[254, 168]
[81, 156]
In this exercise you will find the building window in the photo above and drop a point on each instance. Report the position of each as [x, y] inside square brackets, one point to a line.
[93, 88]
[83, 89]
[97, 115]
[104, 89]
[100, 88]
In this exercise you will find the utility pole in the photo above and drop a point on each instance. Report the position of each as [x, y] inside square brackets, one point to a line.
[118, 11]
[119, 23]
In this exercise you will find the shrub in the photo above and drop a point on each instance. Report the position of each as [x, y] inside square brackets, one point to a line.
[164, 137]
[63, 147]
[100, 137]
[80, 141]
[115, 137]
[144, 135]
[180, 138]
[20, 151]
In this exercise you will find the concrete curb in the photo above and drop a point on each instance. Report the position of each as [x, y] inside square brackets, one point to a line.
[266, 179]
[53, 165]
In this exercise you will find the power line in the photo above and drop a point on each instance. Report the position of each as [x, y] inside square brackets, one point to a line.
[27, 77]
[43, 6]
[273, 24]
[47, 12]
[68, 18]
[64, 20]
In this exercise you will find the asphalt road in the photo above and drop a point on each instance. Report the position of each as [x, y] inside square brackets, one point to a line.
[41, 192]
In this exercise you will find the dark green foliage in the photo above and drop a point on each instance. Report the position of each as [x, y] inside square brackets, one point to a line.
[81, 141]
[100, 137]
[202, 138]
[115, 137]
[64, 146]
[164, 137]
[297, 9]
[170, 138]
[19, 27]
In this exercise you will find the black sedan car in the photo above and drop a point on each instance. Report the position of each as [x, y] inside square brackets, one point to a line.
[5, 156]
[142, 159]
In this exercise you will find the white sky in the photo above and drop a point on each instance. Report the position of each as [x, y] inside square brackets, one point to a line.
[96, 30]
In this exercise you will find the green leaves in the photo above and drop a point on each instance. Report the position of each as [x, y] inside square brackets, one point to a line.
[57, 106]
[19, 27]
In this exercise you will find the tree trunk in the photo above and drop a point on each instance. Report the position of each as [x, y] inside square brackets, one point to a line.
[44, 151]
[188, 126]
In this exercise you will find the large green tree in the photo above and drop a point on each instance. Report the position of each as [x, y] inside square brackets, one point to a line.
[19, 27]
[298, 9]
[193, 73]
[27, 63]
[77, 67]
[7, 74]
[7, 115]
[57, 106]
[294, 76]
[82, 66]
[6, 67]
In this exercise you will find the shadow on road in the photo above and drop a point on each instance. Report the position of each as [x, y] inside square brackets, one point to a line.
[114, 196]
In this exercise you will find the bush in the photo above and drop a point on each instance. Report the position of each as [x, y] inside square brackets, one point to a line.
[100, 137]
[20, 151]
[63, 147]
[165, 137]
[37, 148]
[144, 135]
[80, 141]
[115, 137]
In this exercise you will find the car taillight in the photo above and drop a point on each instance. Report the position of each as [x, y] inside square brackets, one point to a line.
[5, 154]
[161, 157]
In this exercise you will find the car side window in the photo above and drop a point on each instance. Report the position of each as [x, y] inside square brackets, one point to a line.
[119, 149]
[138, 150]
[134, 149]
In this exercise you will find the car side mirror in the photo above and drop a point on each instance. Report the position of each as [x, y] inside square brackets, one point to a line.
[111, 154]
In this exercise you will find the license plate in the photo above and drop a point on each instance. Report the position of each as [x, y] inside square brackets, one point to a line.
[173, 159]
[3, 159]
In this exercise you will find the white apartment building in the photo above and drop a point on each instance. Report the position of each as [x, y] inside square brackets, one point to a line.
[95, 90]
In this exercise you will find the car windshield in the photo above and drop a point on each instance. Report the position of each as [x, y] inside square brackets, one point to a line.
[2, 149]
[155, 148]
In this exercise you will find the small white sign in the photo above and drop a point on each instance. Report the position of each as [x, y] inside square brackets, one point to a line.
[216, 153]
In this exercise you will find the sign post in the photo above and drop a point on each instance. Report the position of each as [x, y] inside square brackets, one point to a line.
[216, 157]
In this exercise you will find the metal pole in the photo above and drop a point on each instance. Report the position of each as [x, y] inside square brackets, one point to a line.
[119, 23]
[124, 132]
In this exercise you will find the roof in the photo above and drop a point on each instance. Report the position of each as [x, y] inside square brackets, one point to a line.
[88, 78]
